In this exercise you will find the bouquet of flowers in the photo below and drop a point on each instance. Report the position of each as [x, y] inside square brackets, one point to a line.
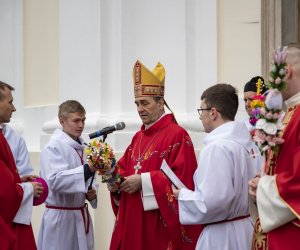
[257, 104]
[101, 155]
[269, 123]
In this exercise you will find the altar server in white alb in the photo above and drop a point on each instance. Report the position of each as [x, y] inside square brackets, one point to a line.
[66, 222]
[18, 149]
[226, 163]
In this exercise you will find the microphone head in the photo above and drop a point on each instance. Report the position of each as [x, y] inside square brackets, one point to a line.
[120, 126]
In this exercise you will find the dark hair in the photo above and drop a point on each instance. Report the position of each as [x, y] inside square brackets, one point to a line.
[70, 106]
[252, 85]
[4, 85]
[224, 98]
[157, 98]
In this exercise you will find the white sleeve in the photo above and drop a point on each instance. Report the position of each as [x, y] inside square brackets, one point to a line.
[202, 206]
[148, 196]
[60, 177]
[272, 210]
[22, 159]
[24, 213]
[19, 151]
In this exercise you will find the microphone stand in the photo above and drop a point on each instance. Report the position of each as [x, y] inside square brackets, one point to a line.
[92, 180]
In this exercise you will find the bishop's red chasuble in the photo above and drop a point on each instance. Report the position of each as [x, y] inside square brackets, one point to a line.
[136, 229]
[286, 167]
[12, 235]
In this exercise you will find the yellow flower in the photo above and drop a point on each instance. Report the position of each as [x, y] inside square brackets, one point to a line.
[88, 151]
[94, 143]
[257, 103]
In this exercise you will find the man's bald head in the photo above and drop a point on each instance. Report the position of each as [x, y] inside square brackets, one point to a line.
[292, 71]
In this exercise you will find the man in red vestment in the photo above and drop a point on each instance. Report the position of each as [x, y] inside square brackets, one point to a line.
[277, 192]
[145, 208]
[14, 195]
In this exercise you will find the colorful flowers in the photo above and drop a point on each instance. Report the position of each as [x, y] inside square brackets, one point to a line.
[277, 74]
[101, 155]
[269, 124]
[257, 104]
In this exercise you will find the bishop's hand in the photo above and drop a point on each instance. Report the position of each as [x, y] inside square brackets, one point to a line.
[131, 184]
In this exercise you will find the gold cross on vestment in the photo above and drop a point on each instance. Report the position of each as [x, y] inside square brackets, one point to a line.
[137, 167]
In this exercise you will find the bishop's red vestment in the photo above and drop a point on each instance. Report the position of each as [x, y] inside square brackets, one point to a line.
[159, 228]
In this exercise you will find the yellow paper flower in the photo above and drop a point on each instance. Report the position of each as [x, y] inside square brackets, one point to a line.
[257, 103]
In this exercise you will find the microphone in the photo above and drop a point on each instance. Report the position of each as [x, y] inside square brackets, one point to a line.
[107, 130]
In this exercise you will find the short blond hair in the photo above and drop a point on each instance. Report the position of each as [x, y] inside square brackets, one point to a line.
[70, 106]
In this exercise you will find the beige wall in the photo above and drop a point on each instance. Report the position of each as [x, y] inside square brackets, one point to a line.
[41, 52]
[239, 41]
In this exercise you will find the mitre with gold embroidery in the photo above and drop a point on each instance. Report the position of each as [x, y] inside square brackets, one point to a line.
[148, 83]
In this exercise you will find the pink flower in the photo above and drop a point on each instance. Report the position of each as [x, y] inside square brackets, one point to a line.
[263, 111]
[259, 97]
[268, 138]
[279, 55]
[279, 140]
[252, 121]
[278, 80]
[259, 136]
[271, 143]
[284, 53]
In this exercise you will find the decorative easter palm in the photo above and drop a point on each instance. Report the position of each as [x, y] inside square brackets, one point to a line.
[269, 120]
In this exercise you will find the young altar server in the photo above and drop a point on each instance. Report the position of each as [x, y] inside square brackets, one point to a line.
[226, 163]
[66, 222]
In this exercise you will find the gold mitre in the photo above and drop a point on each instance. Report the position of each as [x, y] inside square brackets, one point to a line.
[147, 83]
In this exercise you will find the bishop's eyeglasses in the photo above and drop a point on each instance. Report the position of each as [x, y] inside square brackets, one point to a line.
[200, 110]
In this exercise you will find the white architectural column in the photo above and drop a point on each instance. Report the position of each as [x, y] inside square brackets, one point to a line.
[11, 60]
[101, 40]
[180, 34]
[201, 58]
[79, 53]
